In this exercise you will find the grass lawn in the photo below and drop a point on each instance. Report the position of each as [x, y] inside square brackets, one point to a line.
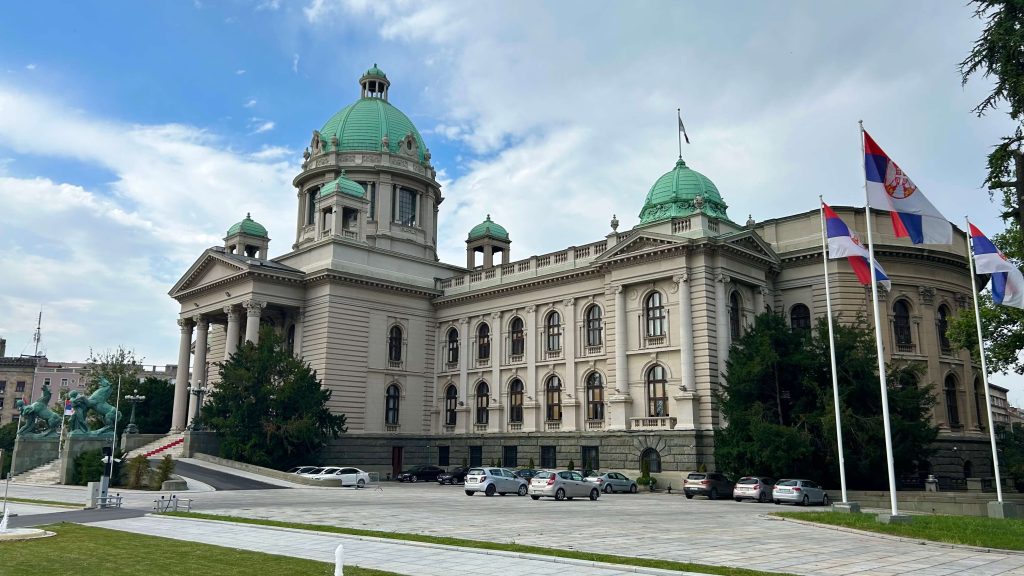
[46, 503]
[1006, 534]
[520, 548]
[84, 550]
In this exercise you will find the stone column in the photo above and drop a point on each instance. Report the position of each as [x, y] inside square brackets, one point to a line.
[300, 317]
[464, 357]
[618, 396]
[231, 340]
[722, 315]
[686, 364]
[758, 300]
[199, 365]
[488, 256]
[253, 311]
[530, 382]
[498, 418]
[569, 417]
[179, 414]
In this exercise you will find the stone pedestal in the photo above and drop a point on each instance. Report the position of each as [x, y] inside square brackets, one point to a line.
[74, 446]
[846, 507]
[31, 452]
[998, 509]
[205, 442]
[894, 518]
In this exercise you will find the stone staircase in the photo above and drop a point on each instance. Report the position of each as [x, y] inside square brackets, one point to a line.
[48, 473]
[172, 444]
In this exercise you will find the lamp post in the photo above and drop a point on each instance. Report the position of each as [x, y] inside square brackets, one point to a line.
[199, 390]
[133, 398]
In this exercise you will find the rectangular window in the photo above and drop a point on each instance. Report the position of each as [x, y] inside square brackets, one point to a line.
[311, 206]
[548, 457]
[1, 402]
[590, 457]
[19, 387]
[3, 386]
[406, 207]
[476, 455]
[63, 382]
[443, 456]
[509, 456]
[46, 381]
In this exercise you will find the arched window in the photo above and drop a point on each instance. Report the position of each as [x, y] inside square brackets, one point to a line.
[901, 326]
[553, 331]
[595, 397]
[942, 325]
[654, 311]
[593, 317]
[391, 400]
[553, 397]
[653, 459]
[483, 342]
[734, 316]
[952, 406]
[515, 401]
[516, 332]
[395, 344]
[451, 404]
[311, 205]
[453, 346]
[483, 400]
[800, 317]
[657, 394]
[979, 403]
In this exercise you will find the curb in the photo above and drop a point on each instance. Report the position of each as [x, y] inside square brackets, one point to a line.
[465, 550]
[895, 538]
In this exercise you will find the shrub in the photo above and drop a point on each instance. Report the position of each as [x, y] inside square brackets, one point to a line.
[645, 469]
[571, 466]
[88, 467]
[531, 463]
[138, 469]
[164, 471]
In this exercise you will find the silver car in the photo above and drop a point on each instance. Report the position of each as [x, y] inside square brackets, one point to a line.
[754, 487]
[562, 485]
[348, 476]
[610, 482]
[801, 492]
[494, 480]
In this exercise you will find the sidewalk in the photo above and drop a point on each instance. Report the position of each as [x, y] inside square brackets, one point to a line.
[408, 558]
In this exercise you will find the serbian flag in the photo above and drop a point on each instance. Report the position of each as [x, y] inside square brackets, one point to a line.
[68, 409]
[889, 188]
[843, 244]
[1007, 280]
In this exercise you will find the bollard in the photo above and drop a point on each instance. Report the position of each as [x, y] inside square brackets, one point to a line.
[339, 560]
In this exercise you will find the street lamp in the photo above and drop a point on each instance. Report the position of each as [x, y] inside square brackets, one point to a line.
[133, 398]
[199, 390]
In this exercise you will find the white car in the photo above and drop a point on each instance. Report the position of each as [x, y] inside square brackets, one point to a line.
[348, 476]
[491, 480]
[302, 469]
[802, 492]
[562, 485]
[321, 473]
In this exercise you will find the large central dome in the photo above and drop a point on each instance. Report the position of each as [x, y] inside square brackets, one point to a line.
[681, 192]
[370, 122]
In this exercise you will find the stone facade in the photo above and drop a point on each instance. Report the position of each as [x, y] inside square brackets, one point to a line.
[617, 344]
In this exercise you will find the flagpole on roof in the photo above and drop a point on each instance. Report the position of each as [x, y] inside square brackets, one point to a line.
[878, 340]
[984, 364]
[832, 348]
[679, 115]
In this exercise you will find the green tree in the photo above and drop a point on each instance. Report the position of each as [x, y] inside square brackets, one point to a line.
[269, 408]
[778, 403]
[8, 433]
[118, 365]
[1011, 458]
[152, 415]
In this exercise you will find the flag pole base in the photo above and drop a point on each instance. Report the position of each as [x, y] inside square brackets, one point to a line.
[1003, 510]
[846, 507]
[894, 518]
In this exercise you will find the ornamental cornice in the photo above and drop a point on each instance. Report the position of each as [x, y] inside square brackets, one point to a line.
[518, 287]
[332, 276]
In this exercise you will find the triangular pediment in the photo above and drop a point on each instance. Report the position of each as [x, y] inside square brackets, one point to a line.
[207, 269]
[639, 244]
[749, 242]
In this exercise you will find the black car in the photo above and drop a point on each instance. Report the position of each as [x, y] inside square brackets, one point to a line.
[454, 476]
[421, 473]
[527, 473]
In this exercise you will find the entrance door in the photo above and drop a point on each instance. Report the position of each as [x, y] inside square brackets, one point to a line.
[396, 461]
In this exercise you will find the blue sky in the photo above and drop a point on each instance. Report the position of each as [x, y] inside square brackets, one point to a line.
[132, 135]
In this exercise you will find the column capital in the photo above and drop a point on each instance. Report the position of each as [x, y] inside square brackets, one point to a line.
[568, 302]
[300, 314]
[232, 312]
[496, 315]
[186, 324]
[254, 308]
[681, 278]
[723, 278]
[531, 309]
[463, 321]
[620, 289]
[201, 322]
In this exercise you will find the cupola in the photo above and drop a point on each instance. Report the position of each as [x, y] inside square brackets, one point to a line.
[247, 238]
[487, 237]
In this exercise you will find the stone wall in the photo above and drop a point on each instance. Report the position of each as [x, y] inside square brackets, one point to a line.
[32, 452]
[74, 446]
[200, 442]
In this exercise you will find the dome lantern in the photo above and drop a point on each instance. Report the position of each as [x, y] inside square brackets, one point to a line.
[247, 238]
[374, 84]
[487, 237]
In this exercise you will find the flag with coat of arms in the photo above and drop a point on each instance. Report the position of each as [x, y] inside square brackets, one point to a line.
[1007, 280]
[843, 244]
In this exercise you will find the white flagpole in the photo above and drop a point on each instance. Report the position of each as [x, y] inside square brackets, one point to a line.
[832, 351]
[63, 417]
[984, 365]
[878, 340]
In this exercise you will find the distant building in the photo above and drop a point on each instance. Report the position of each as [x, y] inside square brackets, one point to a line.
[15, 382]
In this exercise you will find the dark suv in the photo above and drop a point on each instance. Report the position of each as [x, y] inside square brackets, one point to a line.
[453, 476]
[710, 484]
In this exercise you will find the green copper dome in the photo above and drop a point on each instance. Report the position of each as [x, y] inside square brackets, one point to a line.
[682, 192]
[375, 72]
[343, 186]
[248, 226]
[488, 228]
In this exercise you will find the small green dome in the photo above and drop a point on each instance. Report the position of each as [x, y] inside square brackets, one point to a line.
[344, 186]
[682, 192]
[248, 226]
[488, 228]
[363, 125]
[375, 72]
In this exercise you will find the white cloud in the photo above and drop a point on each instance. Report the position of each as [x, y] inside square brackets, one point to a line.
[101, 259]
[249, 103]
[270, 5]
[295, 63]
[239, 72]
[30, 67]
[259, 126]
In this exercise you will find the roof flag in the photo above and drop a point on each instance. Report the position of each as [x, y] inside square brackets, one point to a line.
[1007, 280]
[68, 409]
[843, 244]
[889, 188]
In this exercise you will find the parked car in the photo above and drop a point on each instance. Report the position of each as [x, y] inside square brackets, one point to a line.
[562, 485]
[754, 487]
[348, 476]
[301, 469]
[710, 484]
[456, 475]
[610, 482]
[418, 473]
[321, 473]
[311, 473]
[798, 491]
[527, 473]
[494, 480]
